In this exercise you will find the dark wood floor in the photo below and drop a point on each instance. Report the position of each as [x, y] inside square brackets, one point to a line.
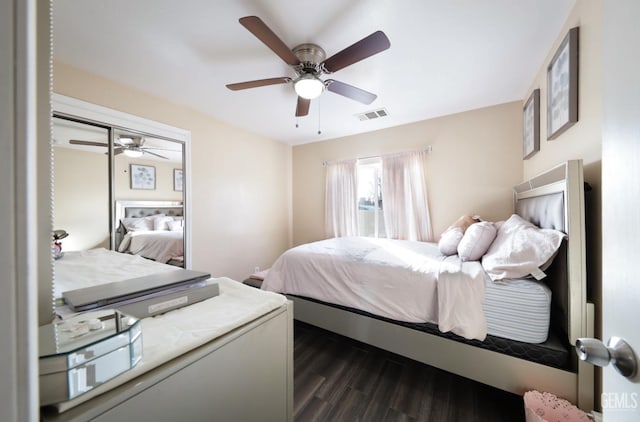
[339, 379]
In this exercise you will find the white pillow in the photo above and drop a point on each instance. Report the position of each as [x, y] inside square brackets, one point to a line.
[133, 224]
[476, 241]
[162, 223]
[175, 225]
[448, 243]
[140, 223]
[519, 249]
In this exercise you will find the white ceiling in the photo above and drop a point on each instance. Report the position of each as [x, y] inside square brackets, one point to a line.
[446, 56]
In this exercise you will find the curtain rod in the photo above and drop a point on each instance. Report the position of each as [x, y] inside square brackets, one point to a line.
[428, 149]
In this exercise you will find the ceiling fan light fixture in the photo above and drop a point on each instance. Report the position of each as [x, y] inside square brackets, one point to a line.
[133, 153]
[308, 86]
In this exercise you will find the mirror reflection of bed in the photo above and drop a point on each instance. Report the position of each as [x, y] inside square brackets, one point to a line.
[151, 229]
[118, 227]
[104, 209]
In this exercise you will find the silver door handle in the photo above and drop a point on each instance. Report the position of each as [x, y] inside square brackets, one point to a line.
[617, 351]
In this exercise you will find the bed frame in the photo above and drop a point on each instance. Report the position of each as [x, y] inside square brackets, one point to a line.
[560, 189]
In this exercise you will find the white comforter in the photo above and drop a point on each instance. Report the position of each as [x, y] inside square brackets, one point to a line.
[78, 269]
[398, 279]
[159, 245]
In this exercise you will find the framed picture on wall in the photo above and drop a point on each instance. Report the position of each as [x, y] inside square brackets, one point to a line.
[177, 180]
[143, 177]
[531, 125]
[562, 86]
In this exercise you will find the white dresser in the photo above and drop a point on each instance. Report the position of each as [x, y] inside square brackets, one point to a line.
[243, 374]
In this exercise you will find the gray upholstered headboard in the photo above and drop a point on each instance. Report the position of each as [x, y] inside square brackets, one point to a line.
[138, 211]
[545, 211]
[555, 200]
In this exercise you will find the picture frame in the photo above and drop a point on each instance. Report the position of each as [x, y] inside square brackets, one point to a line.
[562, 86]
[531, 125]
[177, 180]
[143, 177]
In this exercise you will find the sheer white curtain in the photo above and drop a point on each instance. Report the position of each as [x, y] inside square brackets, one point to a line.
[404, 197]
[341, 199]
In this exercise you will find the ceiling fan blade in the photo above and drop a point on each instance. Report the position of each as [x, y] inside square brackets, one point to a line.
[366, 47]
[350, 91]
[302, 108]
[117, 151]
[161, 149]
[90, 143]
[153, 153]
[257, 27]
[258, 83]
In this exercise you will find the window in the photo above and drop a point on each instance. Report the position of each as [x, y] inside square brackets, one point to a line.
[370, 210]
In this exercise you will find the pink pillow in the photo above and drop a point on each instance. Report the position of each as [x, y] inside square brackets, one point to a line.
[476, 241]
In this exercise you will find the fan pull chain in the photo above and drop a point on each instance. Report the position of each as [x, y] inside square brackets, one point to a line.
[297, 126]
[319, 131]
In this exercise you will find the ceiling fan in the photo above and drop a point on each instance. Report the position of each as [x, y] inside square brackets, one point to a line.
[309, 62]
[131, 146]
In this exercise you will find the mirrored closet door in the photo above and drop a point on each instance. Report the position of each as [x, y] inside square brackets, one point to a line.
[120, 183]
[118, 189]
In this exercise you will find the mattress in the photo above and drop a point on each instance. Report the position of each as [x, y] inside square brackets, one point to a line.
[397, 279]
[518, 310]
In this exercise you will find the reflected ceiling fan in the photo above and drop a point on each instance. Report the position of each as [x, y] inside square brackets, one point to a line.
[131, 146]
[309, 63]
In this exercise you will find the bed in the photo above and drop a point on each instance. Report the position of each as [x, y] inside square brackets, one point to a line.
[198, 362]
[530, 349]
[152, 229]
[78, 269]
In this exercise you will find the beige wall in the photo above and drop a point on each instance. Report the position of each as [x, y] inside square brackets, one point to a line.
[240, 181]
[583, 139]
[81, 198]
[476, 159]
[164, 180]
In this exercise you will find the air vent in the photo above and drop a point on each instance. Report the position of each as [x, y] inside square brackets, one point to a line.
[374, 114]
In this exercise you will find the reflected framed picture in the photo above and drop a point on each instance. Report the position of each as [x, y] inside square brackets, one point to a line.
[562, 86]
[177, 180]
[531, 125]
[143, 177]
